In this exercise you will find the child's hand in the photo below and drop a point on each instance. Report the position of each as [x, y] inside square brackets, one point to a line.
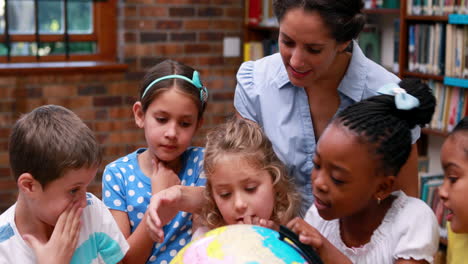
[312, 237]
[162, 177]
[255, 220]
[163, 207]
[307, 234]
[62, 243]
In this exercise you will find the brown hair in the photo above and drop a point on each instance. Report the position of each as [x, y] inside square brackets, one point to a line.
[343, 18]
[50, 140]
[165, 68]
[245, 138]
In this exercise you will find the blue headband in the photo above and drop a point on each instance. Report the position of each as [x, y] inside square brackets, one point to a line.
[195, 81]
[403, 100]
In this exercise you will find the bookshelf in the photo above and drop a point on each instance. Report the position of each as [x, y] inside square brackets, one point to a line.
[447, 60]
[440, 24]
[448, 82]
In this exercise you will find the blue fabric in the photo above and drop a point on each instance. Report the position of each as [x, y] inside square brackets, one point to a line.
[403, 100]
[6, 231]
[265, 95]
[126, 188]
[108, 249]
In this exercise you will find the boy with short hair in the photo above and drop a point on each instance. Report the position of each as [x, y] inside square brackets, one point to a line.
[54, 157]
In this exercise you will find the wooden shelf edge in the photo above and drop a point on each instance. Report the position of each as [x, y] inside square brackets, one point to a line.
[435, 132]
[61, 67]
[423, 76]
[394, 11]
[427, 18]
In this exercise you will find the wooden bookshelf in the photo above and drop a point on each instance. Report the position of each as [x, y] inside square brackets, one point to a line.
[382, 11]
[423, 76]
[405, 21]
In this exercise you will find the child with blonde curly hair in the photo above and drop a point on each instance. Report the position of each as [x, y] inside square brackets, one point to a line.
[246, 184]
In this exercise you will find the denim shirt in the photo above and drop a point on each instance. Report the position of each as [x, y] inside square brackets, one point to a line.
[265, 95]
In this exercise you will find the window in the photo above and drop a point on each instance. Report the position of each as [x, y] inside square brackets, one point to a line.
[57, 30]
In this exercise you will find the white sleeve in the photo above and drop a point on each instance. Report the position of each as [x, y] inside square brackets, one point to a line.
[112, 245]
[312, 216]
[418, 232]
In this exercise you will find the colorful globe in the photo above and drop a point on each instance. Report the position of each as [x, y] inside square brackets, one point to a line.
[239, 244]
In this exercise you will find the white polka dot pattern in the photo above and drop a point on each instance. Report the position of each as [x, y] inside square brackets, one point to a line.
[127, 189]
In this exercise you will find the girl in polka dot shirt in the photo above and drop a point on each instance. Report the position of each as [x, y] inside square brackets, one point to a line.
[169, 110]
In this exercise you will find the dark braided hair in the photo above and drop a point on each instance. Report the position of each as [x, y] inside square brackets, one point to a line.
[387, 129]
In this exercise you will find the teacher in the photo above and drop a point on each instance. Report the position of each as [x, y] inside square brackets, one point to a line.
[318, 71]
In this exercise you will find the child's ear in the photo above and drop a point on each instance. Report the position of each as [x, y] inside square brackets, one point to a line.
[138, 114]
[27, 184]
[385, 188]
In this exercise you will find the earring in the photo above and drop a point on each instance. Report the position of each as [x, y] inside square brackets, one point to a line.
[378, 200]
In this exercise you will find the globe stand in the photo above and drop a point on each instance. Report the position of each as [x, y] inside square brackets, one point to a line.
[305, 250]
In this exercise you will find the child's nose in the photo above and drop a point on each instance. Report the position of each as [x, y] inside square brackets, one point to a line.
[319, 180]
[171, 130]
[443, 190]
[240, 203]
[82, 199]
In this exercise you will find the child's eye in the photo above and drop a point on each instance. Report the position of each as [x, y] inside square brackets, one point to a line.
[336, 181]
[74, 191]
[161, 119]
[224, 195]
[316, 165]
[251, 189]
[185, 124]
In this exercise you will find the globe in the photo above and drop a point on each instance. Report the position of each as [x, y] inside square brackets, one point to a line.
[240, 244]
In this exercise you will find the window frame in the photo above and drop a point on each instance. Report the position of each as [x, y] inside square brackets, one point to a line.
[104, 34]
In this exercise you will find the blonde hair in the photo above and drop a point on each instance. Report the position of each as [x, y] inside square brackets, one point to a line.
[246, 139]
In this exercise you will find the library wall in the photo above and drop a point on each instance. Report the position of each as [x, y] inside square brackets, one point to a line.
[149, 31]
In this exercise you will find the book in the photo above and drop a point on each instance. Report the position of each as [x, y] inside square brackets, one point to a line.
[396, 45]
[369, 41]
[254, 12]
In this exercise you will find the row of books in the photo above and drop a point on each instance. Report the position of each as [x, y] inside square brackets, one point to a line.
[254, 50]
[426, 48]
[456, 60]
[430, 184]
[436, 7]
[451, 107]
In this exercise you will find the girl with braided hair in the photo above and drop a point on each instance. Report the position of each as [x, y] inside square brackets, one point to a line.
[356, 216]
